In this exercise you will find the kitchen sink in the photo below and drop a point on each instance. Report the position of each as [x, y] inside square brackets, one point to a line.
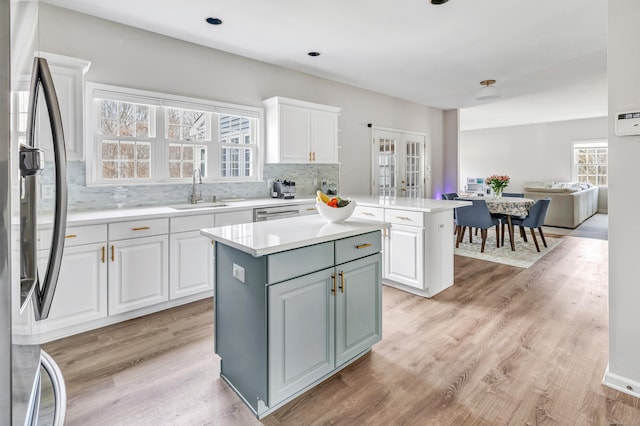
[197, 206]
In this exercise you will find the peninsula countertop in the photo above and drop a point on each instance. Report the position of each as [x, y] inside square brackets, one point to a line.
[263, 238]
[418, 204]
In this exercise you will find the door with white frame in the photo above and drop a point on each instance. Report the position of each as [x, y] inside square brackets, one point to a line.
[399, 160]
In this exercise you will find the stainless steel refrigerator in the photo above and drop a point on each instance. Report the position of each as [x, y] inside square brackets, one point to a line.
[31, 385]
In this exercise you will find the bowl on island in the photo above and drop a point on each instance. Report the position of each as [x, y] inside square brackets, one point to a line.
[335, 214]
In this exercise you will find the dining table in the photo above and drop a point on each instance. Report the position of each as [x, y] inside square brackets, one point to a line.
[507, 206]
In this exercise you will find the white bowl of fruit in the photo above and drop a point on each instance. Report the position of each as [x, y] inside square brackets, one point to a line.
[334, 208]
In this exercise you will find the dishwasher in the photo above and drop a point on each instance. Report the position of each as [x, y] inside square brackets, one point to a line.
[271, 213]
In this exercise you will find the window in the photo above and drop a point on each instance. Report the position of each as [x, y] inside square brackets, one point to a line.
[590, 162]
[146, 137]
[238, 151]
[125, 138]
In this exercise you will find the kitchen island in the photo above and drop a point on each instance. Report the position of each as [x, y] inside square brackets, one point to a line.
[296, 300]
[418, 249]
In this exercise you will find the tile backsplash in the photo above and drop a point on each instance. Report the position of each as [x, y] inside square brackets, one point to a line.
[82, 197]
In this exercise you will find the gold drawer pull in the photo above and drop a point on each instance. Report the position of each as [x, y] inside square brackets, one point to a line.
[311, 209]
[102, 257]
[142, 228]
[213, 242]
[309, 156]
[333, 288]
[403, 218]
[368, 214]
[341, 281]
[70, 236]
[113, 253]
[314, 156]
[361, 246]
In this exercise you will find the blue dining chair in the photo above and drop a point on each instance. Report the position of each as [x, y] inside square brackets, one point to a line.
[451, 196]
[535, 219]
[476, 216]
[503, 217]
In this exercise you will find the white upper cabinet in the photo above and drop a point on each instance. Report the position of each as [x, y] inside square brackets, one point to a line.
[68, 78]
[301, 132]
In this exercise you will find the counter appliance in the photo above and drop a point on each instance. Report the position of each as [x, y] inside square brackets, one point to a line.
[284, 189]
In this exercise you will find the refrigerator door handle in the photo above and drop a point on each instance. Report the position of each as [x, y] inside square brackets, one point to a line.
[43, 294]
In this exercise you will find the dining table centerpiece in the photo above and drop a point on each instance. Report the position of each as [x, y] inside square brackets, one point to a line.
[498, 183]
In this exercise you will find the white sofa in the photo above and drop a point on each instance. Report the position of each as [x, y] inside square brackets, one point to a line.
[571, 203]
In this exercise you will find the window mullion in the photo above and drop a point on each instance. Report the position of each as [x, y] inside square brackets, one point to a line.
[214, 155]
[160, 150]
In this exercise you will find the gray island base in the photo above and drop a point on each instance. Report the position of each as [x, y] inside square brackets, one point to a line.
[296, 300]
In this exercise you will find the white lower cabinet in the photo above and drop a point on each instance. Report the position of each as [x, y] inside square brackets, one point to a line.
[191, 256]
[81, 292]
[403, 255]
[191, 264]
[418, 248]
[138, 273]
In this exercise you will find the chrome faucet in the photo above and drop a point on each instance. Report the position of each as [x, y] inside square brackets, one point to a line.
[195, 198]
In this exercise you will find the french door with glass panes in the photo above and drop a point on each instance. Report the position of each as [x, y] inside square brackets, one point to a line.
[398, 164]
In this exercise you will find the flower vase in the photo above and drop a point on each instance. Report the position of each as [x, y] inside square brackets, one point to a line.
[497, 193]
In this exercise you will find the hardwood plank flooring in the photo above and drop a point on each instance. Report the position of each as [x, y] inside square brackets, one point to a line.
[504, 346]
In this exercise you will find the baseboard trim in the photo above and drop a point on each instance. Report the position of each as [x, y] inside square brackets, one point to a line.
[621, 384]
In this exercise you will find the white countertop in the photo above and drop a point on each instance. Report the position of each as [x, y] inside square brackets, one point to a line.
[90, 217]
[262, 238]
[418, 204]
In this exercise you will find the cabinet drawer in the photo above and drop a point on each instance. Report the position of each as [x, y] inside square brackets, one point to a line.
[191, 223]
[138, 228]
[404, 217]
[78, 235]
[294, 263]
[348, 249]
[371, 213]
[307, 209]
[234, 218]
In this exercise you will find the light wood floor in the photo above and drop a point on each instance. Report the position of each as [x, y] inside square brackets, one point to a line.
[504, 346]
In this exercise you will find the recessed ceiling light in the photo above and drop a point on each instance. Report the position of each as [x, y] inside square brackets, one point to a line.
[214, 21]
[313, 53]
[439, 1]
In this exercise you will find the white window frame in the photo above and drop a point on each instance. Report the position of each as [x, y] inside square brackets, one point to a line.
[159, 168]
[591, 143]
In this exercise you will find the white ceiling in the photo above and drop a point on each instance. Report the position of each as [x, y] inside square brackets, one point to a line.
[548, 56]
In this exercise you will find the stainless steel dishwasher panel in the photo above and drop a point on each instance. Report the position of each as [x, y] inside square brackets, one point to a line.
[273, 213]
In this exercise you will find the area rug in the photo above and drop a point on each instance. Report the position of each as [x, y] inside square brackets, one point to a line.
[524, 256]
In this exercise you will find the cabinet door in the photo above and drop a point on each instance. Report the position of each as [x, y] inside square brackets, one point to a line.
[68, 78]
[358, 308]
[294, 134]
[301, 333]
[81, 292]
[138, 273]
[191, 267]
[404, 255]
[324, 137]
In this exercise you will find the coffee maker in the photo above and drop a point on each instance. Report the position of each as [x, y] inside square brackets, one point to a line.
[283, 189]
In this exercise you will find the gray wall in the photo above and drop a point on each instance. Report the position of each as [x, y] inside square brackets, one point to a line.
[533, 152]
[130, 57]
[623, 69]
